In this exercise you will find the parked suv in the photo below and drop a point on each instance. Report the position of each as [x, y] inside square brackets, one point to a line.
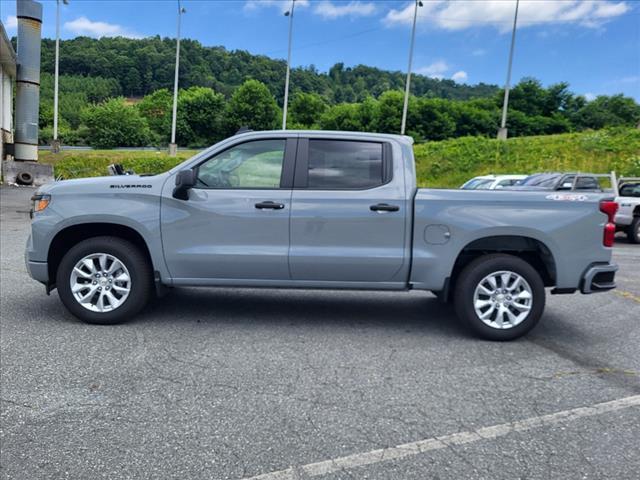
[492, 182]
[628, 216]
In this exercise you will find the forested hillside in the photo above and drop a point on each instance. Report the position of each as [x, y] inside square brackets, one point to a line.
[117, 92]
[141, 66]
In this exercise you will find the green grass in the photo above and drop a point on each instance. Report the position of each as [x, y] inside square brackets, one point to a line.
[451, 162]
[93, 163]
[439, 164]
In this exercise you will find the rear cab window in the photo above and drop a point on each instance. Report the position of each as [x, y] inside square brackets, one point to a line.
[325, 164]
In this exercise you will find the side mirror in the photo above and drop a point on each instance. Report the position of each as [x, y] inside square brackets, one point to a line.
[185, 179]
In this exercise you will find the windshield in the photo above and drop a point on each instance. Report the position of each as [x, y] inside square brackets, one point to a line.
[540, 180]
[477, 183]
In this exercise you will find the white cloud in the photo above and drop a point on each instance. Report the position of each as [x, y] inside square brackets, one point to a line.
[464, 14]
[435, 70]
[460, 76]
[590, 96]
[11, 23]
[282, 5]
[630, 79]
[84, 26]
[329, 10]
[479, 52]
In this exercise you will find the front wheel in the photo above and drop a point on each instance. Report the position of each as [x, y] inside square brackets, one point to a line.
[499, 297]
[633, 230]
[104, 280]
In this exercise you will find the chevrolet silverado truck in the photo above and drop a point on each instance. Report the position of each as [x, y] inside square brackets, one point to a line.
[317, 210]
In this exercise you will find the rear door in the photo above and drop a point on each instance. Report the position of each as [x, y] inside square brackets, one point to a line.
[348, 213]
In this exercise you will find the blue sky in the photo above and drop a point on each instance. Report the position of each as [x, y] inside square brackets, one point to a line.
[593, 45]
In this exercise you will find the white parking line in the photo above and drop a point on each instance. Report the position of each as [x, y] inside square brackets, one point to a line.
[422, 446]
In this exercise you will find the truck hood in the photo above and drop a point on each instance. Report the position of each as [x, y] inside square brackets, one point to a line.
[119, 184]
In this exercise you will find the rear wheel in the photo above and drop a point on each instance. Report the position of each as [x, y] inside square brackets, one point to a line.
[499, 297]
[104, 280]
[633, 230]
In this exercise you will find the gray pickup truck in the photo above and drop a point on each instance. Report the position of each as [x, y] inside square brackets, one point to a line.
[317, 209]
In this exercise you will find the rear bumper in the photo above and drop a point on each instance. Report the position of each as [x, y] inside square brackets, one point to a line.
[599, 278]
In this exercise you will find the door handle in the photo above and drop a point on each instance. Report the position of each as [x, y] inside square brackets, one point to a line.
[384, 207]
[270, 205]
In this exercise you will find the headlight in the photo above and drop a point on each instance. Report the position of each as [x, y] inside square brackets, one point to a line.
[40, 202]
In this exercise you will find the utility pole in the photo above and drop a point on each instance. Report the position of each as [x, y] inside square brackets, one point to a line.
[502, 132]
[288, 13]
[173, 147]
[407, 86]
[55, 146]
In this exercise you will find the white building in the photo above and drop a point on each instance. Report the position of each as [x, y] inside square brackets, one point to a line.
[7, 79]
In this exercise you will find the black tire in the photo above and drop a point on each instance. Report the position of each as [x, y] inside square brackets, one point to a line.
[24, 178]
[473, 274]
[140, 272]
[633, 230]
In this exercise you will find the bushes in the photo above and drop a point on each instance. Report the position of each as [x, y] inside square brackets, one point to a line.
[114, 124]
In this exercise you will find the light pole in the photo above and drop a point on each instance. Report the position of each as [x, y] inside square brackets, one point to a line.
[173, 147]
[407, 86]
[288, 13]
[55, 146]
[502, 131]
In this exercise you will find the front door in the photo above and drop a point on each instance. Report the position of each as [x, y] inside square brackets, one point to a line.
[348, 213]
[235, 224]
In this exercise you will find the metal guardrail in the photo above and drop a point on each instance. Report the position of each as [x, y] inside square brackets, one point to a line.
[134, 149]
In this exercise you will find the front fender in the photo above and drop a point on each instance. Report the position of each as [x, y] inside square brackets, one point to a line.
[137, 211]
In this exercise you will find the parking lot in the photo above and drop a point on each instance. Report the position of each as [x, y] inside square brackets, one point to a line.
[237, 383]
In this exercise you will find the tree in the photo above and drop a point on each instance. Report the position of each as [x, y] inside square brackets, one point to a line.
[307, 108]
[345, 116]
[528, 97]
[203, 111]
[113, 123]
[608, 111]
[253, 106]
[390, 111]
[434, 119]
[156, 109]
[472, 120]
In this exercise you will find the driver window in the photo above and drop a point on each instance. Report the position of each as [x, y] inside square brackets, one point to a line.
[256, 164]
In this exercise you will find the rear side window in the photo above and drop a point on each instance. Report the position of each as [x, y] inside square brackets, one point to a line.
[632, 190]
[338, 164]
[587, 183]
[508, 183]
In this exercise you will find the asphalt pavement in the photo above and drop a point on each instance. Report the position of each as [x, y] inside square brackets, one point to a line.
[237, 383]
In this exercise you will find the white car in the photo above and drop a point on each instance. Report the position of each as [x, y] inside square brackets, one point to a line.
[628, 216]
[492, 182]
